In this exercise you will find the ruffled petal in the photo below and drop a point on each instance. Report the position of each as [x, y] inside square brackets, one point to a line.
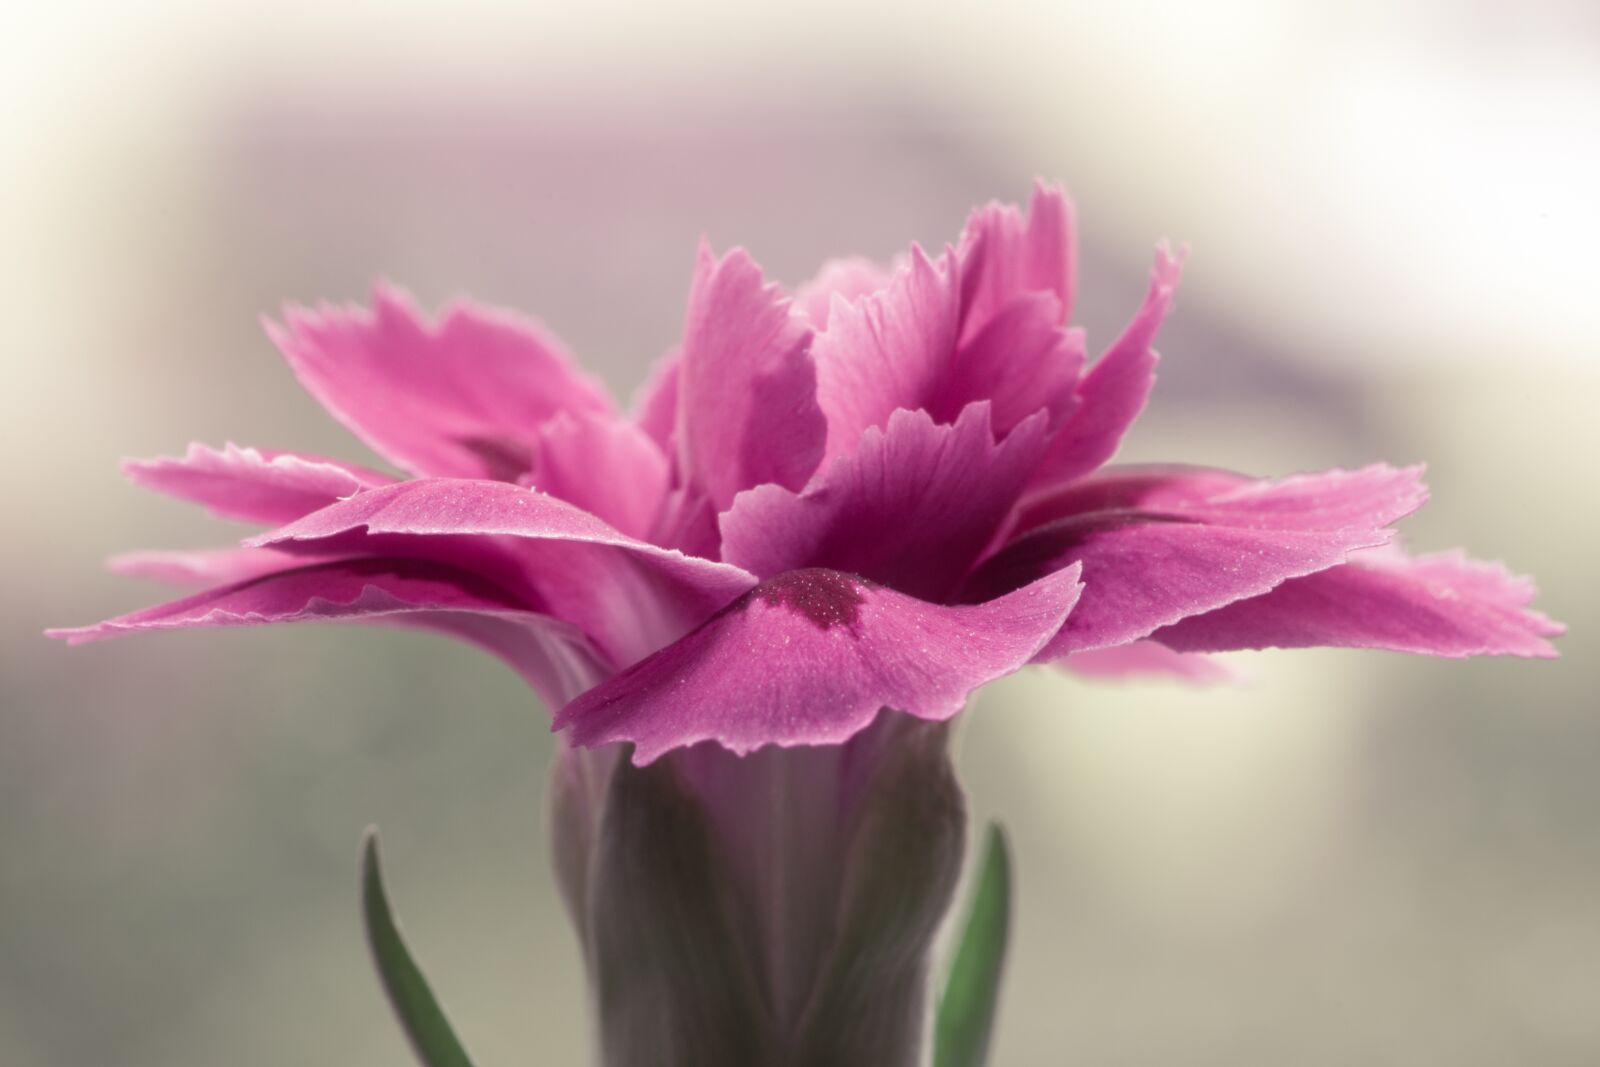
[1437, 605]
[547, 652]
[1159, 545]
[889, 350]
[630, 597]
[747, 387]
[459, 397]
[912, 508]
[809, 658]
[608, 467]
[1004, 254]
[250, 484]
[1113, 392]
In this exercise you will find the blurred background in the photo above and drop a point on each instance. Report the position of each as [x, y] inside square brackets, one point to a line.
[1348, 858]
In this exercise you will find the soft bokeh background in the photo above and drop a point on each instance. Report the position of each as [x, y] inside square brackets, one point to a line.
[1352, 858]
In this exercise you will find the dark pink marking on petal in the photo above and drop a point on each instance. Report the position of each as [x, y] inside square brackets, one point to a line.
[826, 597]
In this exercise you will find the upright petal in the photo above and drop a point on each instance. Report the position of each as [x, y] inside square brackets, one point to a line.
[889, 350]
[1022, 361]
[847, 279]
[1004, 254]
[809, 657]
[391, 592]
[1438, 605]
[458, 398]
[655, 405]
[252, 485]
[1159, 545]
[628, 596]
[912, 508]
[608, 467]
[1113, 393]
[747, 387]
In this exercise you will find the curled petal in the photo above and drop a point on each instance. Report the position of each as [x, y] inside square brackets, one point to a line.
[250, 484]
[809, 657]
[1438, 605]
[550, 654]
[912, 508]
[1159, 545]
[459, 397]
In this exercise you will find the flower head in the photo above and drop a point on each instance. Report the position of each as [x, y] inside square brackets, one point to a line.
[883, 490]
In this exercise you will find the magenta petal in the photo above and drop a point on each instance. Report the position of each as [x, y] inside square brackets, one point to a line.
[203, 567]
[1159, 545]
[546, 651]
[1022, 361]
[890, 350]
[459, 397]
[1146, 659]
[608, 467]
[655, 405]
[809, 657]
[1004, 254]
[630, 597]
[1439, 605]
[252, 485]
[911, 508]
[747, 403]
[1113, 392]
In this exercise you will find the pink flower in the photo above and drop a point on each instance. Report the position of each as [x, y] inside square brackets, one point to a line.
[884, 490]
[880, 492]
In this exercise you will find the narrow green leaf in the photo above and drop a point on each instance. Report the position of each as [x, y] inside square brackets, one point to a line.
[424, 1020]
[965, 1019]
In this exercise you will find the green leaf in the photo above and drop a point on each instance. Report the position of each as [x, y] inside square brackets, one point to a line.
[424, 1020]
[965, 1019]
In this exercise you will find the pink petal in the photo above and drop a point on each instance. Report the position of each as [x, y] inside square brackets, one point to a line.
[1021, 360]
[1004, 254]
[1146, 659]
[460, 397]
[848, 279]
[747, 411]
[607, 467]
[628, 596]
[1113, 392]
[912, 508]
[890, 350]
[249, 484]
[809, 657]
[1159, 545]
[1439, 605]
[203, 567]
[655, 405]
[546, 651]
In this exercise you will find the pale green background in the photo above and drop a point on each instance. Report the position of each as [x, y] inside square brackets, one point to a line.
[1351, 858]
